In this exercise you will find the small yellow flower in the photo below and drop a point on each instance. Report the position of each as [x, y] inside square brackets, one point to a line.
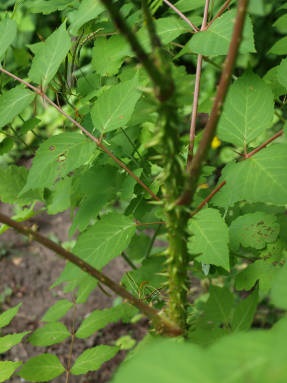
[215, 142]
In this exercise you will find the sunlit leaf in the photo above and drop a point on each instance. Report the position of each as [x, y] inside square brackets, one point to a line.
[42, 368]
[93, 358]
[7, 369]
[10, 340]
[248, 111]
[88, 10]
[57, 311]
[8, 315]
[12, 103]
[8, 31]
[51, 333]
[49, 57]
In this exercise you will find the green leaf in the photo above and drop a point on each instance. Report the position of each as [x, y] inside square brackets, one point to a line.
[93, 358]
[96, 186]
[209, 238]
[42, 368]
[172, 364]
[261, 178]
[7, 369]
[98, 319]
[279, 289]
[253, 230]
[101, 243]
[215, 41]
[279, 48]
[57, 311]
[248, 111]
[60, 198]
[168, 29]
[281, 24]
[13, 179]
[244, 312]
[9, 341]
[58, 156]
[8, 315]
[186, 5]
[108, 54]
[260, 271]
[114, 108]
[218, 309]
[49, 57]
[8, 31]
[88, 10]
[12, 103]
[281, 73]
[47, 6]
[51, 333]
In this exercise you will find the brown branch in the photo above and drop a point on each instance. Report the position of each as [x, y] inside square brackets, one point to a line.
[196, 93]
[84, 130]
[162, 324]
[208, 198]
[181, 15]
[262, 146]
[243, 157]
[219, 13]
[210, 128]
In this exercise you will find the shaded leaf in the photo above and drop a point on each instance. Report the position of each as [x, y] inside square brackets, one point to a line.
[279, 48]
[12, 103]
[253, 230]
[88, 10]
[248, 111]
[209, 238]
[244, 312]
[281, 72]
[42, 368]
[13, 179]
[93, 358]
[49, 57]
[113, 109]
[47, 6]
[8, 31]
[279, 289]
[51, 333]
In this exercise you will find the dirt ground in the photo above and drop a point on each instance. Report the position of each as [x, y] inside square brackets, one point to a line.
[27, 271]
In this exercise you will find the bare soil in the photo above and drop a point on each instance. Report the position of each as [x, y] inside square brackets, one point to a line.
[27, 270]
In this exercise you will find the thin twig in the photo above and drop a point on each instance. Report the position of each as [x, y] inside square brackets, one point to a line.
[262, 146]
[161, 323]
[208, 198]
[244, 157]
[219, 13]
[210, 128]
[196, 92]
[84, 130]
[181, 15]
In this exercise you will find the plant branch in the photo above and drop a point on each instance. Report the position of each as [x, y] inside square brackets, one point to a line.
[262, 146]
[210, 128]
[219, 13]
[245, 157]
[162, 324]
[196, 92]
[181, 15]
[84, 130]
[163, 86]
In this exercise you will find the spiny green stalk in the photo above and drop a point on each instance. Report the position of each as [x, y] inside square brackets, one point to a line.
[176, 216]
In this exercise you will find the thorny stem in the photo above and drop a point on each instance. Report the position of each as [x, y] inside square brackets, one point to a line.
[210, 128]
[164, 87]
[161, 323]
[181, 15]
[196, 92]
[85, 131]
